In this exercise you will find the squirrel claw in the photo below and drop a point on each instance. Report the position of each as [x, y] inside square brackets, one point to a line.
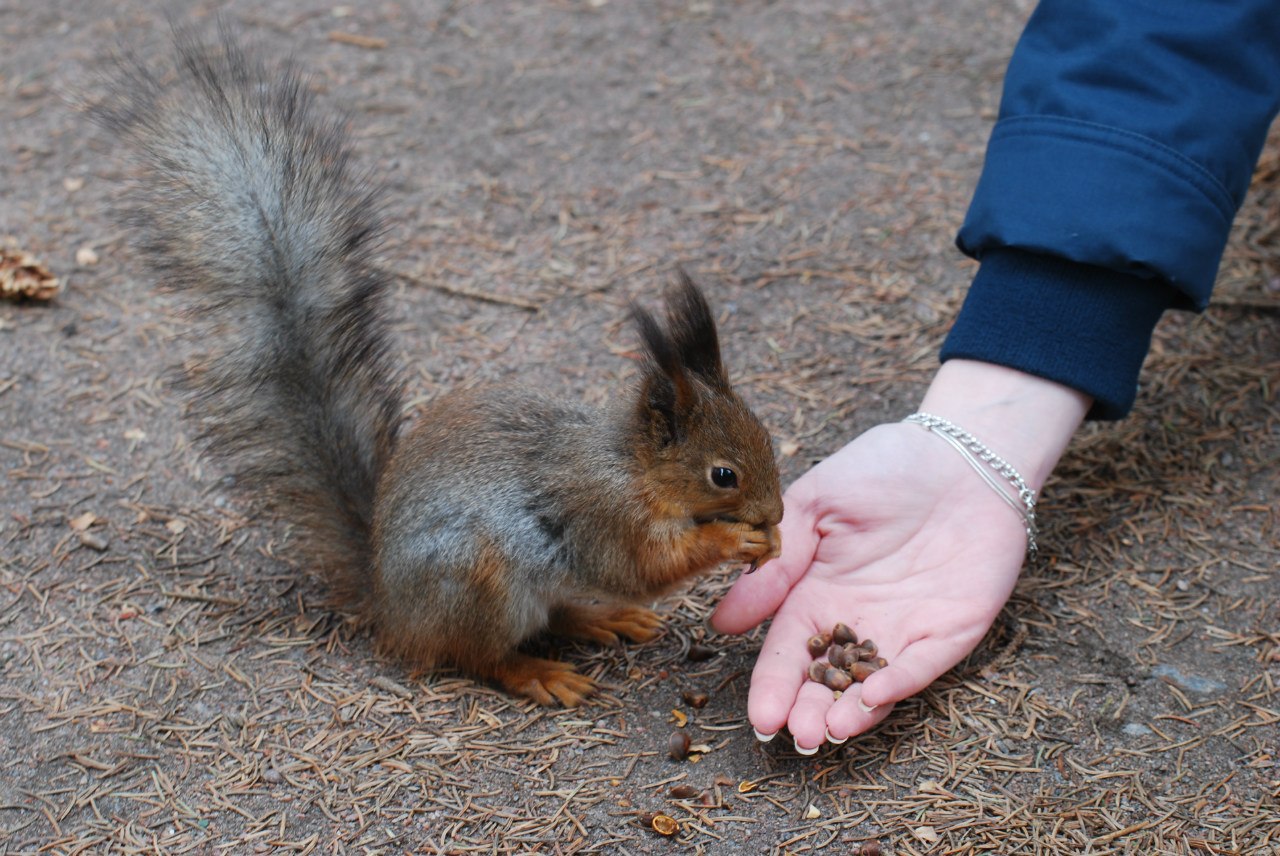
[757, 546]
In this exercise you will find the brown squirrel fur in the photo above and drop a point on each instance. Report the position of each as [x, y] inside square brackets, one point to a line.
[503, 512]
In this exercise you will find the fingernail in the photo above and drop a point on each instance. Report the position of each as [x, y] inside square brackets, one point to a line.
[831, 739]
[864, 706]
[764, 738]
[804, 751]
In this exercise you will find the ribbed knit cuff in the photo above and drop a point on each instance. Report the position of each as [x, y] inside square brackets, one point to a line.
[1085, 327]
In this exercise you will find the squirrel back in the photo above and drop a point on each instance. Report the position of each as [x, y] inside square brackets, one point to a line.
[252, 208]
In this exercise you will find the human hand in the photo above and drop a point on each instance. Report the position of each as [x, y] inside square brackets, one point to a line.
[897, 537]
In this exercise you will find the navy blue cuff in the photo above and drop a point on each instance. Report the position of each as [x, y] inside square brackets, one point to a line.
[1085, 327]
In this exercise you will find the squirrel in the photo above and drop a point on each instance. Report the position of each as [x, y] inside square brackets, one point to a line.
[502, 512]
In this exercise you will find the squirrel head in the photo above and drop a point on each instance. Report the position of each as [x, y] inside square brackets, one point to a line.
[702, 451]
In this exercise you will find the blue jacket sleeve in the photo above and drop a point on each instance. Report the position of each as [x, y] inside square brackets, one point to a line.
[1127, 134]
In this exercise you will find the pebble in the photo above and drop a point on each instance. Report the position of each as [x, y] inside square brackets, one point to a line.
[1191, 683]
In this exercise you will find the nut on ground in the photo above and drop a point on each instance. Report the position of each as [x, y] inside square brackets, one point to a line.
[678, 746]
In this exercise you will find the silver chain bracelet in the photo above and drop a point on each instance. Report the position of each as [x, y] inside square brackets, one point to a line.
[984, 463]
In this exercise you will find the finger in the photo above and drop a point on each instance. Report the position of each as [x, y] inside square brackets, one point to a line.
[848, 717]
[919, 665]
[754, 597]
[808, 720]
[778, 674]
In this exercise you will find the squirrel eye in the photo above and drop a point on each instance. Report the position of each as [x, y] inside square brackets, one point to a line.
[724, 477]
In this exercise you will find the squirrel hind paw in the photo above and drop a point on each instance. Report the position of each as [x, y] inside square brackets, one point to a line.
[604, 624]
[548, 682]
[636, 623]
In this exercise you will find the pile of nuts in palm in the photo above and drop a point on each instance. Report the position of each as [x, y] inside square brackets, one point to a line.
[848, 660]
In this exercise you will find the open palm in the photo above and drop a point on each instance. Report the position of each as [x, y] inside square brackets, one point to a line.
[895, 536]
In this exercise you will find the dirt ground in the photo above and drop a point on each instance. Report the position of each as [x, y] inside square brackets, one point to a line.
[171, 683]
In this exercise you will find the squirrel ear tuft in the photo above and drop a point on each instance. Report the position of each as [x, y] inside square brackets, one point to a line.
[664, 386]
[687, 347]
[661, 349]
[693, 331]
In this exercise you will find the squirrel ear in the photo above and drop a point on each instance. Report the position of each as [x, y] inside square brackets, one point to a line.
[665, 387]
[693, 332]
[687, 347]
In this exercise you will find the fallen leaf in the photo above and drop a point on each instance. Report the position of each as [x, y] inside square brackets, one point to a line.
[22, 275]
[927, 834]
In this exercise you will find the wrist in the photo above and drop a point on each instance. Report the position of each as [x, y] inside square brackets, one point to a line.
[1025, 419]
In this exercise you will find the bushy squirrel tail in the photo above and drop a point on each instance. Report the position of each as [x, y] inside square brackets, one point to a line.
[251, 208]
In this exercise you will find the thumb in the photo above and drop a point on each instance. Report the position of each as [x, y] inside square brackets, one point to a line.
[756, 596]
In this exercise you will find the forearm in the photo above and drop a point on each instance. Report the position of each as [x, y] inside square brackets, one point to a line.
[1025, 419]
[1127, 137]
[1124, 146]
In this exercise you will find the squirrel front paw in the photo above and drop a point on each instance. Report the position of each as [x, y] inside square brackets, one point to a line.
[754, 546]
